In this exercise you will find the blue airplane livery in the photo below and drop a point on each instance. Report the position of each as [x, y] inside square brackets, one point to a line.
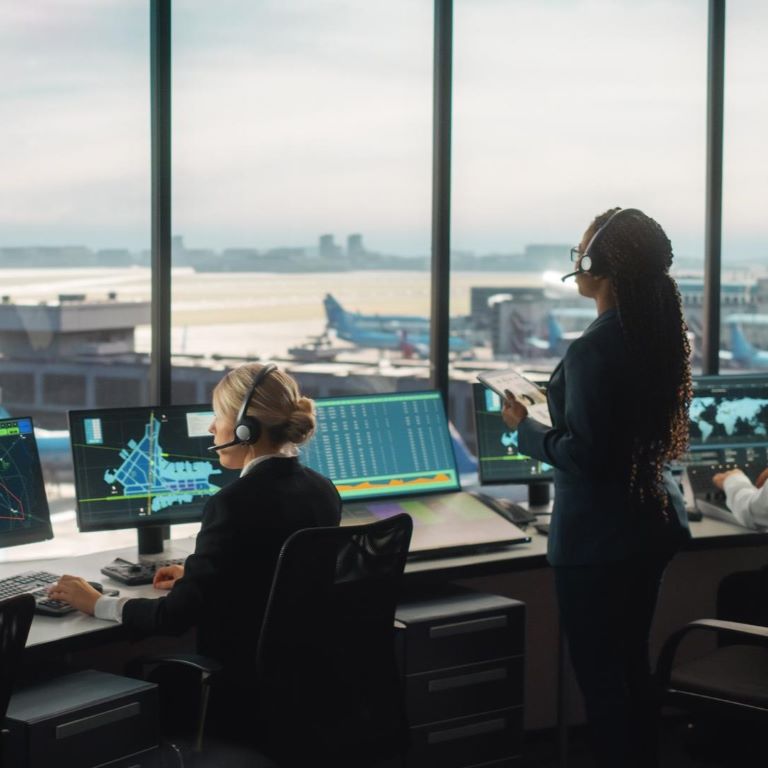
[743, 352]
[404, 332]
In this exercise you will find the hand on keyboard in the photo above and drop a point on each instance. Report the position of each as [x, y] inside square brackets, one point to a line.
[75, 591]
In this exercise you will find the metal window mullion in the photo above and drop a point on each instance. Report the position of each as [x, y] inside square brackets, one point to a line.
[160, 96]
[441, 197]
[714, 192]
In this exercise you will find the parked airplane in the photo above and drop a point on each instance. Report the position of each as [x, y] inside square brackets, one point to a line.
[743, 352]
[405, 332]
[557, 339]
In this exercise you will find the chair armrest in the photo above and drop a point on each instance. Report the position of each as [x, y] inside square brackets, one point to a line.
[668, 651]
[203, 664]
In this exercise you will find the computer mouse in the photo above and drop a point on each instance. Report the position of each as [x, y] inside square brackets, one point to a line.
[97, 586]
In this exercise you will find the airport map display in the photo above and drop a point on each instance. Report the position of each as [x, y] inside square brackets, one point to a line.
[23, 505]
[144, 465]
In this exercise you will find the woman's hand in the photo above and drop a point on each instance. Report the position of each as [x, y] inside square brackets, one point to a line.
[513, 411]
[762, 478]
[75, 591]
[719, 479]
[167, 576]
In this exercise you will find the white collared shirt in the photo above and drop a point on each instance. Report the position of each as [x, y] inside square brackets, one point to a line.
[748, 503]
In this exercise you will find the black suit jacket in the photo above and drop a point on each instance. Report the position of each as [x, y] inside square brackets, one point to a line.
[227, 580]
[592, 400]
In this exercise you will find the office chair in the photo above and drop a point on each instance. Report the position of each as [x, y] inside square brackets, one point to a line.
[15, 619]
[730, 682]
[324, 686]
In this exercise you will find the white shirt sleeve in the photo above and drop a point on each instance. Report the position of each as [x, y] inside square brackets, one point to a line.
[110, 608]
[748, 504]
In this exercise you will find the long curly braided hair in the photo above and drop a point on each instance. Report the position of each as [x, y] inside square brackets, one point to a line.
[635, 254]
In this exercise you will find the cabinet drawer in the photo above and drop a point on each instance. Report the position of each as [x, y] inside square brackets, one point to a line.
[467, 741]
[465, 690]
[464, 630]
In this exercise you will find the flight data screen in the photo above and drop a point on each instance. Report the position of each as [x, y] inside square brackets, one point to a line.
[383, 445]
[499, 458]
[24, 515]
[143, 466]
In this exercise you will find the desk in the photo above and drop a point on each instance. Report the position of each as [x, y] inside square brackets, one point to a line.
[520, 572]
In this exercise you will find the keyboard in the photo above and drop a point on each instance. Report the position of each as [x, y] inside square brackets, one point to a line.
[35, 583]
[515, 513]
[134, 574]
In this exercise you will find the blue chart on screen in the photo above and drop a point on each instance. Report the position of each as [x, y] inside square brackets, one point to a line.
[383, 445]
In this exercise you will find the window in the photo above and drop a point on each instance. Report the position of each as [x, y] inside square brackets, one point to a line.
[562, 111]
[302, 188]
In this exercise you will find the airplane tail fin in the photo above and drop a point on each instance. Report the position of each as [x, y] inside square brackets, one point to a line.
[742, 350]
[554, 330]
[334, 312]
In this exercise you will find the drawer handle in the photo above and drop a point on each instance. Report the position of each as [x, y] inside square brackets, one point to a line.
[476, 729]
[461, 681]
[467, 627]
[72, 728]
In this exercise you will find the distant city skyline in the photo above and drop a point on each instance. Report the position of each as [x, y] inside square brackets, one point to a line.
[296, 117]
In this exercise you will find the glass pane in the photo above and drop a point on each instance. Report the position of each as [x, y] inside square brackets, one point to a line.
[302, 173]
[559, 115]
[74, 218]
[744, 289]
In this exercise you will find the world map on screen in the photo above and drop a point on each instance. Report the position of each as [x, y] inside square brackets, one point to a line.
[731, 419]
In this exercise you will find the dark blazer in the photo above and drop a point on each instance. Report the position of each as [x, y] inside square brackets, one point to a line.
[591, 397]
[227, 580]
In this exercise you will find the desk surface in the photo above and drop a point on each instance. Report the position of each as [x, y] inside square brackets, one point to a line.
[707, 534]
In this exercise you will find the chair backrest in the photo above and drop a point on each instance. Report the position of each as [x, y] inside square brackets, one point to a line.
[15, 619]
[326, 653]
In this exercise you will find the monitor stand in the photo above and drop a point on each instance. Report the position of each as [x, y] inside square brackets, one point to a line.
[152, 545]
[538, 495]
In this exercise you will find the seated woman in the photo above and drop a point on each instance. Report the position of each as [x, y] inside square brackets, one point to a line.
[222, 589]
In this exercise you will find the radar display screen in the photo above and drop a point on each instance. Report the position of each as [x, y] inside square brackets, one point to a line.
[143, 466]
[24, 515]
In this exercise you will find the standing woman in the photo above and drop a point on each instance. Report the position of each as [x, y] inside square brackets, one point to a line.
[619, 406]
[222, 589]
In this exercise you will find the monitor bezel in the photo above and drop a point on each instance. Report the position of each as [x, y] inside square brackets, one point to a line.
[545, 477]
[137, 523]
[411, 492]
[43, 532]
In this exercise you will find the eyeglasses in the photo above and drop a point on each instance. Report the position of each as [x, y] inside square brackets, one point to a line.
[576, 254]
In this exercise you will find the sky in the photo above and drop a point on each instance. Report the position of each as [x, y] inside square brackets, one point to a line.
[293, 118]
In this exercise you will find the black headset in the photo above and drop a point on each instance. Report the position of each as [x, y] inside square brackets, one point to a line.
[586, 262]
[247, 428]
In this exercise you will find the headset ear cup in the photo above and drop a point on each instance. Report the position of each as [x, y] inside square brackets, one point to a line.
[248, 430]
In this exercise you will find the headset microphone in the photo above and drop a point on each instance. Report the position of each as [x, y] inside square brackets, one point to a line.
[571, 274]
[213, 448]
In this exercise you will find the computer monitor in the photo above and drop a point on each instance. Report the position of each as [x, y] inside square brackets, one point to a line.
[729, 422]
[499, 460]
[383, 445]
[143, 468]
[24, 514]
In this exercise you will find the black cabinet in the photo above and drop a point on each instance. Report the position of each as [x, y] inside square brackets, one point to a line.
[462, 657]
